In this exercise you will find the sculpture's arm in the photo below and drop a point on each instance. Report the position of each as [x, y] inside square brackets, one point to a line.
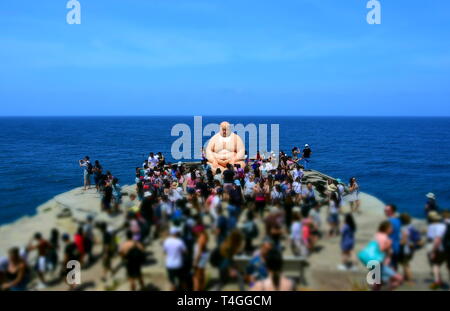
[209, 152]
[240, 149]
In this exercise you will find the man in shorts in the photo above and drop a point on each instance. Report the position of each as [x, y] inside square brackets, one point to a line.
[174, 248]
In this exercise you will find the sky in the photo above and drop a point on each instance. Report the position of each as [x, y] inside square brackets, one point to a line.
[225, 57]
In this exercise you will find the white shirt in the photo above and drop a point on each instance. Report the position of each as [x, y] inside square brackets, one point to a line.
[152, 162]
[215, 203]
[174, 248]
[436, 230]
[296, 231]
[297, 187]
[248, 188]
[297, 173]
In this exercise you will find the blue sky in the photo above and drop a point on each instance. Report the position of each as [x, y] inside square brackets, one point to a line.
[215, 57]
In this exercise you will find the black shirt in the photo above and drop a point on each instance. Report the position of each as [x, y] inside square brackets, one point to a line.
[306, 152]
[228, 176]
[71, 251]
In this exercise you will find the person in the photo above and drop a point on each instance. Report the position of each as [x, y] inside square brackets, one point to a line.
[309, 199]
[407, 246]
[251, 232]
[296, 236]
[228, 177]
[446, 239]
[98, 171]
[88, 238]
[87, 171]
[79, 242]
[54, 248]
[260, 197]
[71, 252]
[16, 272]
[249, 191]
[295, 152]
[43, 248]
[431, 204]
[353, 196]
[347, 242]
[256, 269]
[201, 256]
[133, 253]
[109, 249]
[390, 211]
[221, 226]
[436, 252]
[274, 226]
[117, 194]
[276, 281]
[316, 220]
[306, 157]
[174, 248]
[107, 196]
[388, 275]
[227, 266]
[161, 159]
[152, 160]
[333, 214]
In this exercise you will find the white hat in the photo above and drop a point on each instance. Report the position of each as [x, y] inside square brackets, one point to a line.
[179, 163]
[306, 145]
[147, 194]
[431, 195]
[174, 230]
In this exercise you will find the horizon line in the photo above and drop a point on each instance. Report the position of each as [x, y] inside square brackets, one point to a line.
[231, 116]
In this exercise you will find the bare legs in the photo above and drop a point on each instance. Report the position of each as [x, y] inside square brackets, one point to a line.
[199, 279]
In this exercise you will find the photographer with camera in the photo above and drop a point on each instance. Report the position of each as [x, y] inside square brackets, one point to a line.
[87, 171]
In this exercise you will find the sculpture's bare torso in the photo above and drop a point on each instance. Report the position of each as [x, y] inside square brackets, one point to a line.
[225, 148]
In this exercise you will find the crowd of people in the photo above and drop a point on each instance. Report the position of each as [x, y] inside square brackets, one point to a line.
[204, 218]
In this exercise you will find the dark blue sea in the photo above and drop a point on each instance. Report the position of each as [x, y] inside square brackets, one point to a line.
[398, 160]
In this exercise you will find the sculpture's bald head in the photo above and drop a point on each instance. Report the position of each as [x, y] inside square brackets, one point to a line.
[225, 129]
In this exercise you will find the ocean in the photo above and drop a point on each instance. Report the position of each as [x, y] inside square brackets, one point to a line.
[398, 160]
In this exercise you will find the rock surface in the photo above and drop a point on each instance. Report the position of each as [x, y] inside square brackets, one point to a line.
[64, 212]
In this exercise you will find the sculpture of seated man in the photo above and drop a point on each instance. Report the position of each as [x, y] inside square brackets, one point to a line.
[225, 148]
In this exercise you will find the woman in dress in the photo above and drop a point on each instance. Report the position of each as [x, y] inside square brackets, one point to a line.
[353, 196]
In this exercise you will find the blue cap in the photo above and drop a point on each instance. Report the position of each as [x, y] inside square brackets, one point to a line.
[237, 182]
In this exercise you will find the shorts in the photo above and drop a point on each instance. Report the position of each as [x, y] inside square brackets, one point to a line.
[133, 270]
[118, 200]
[174, 275]
[387, 273]
[203, 260]
[41, 264]
[439, 258]
[87, 176]
[333, 218]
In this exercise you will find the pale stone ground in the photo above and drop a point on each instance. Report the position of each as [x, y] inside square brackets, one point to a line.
[322, 273]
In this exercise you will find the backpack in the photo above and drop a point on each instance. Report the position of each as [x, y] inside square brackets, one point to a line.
[89, 167]
[371, 252]
[251, 230]
[216, 258]
[414, 236]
